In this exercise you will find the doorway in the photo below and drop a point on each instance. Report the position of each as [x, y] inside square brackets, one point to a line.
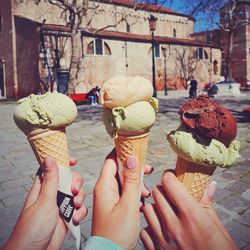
[2, 78]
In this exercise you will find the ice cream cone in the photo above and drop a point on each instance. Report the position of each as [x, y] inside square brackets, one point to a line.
[48, 142]
[131, 146]
[195, 177]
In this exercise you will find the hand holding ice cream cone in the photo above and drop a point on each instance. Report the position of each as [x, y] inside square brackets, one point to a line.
[129, 113]
[44, 118]
[116, 217]
[39, 225]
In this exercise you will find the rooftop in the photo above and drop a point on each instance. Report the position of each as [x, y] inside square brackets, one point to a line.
[50, 29]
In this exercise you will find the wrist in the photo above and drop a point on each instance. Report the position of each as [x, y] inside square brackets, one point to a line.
[95, 242]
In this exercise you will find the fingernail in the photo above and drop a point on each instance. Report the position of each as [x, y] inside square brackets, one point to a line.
[212, 188]
[152, 170]
[170, 171]
[47, 163]
[76, 187]
[131, 162]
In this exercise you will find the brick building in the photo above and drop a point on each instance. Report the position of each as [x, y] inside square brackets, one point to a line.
[240, 46]
[121, 49]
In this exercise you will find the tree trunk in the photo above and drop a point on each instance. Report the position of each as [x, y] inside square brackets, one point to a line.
[75, 59]
[228, 75]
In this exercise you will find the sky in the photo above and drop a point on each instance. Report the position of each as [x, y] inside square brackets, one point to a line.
[201, 24]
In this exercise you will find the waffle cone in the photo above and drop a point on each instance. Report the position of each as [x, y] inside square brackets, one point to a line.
[47, 142]
[131, 146]
[195, 177]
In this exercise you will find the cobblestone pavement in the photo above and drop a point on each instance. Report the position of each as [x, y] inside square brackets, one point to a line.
[89, 143]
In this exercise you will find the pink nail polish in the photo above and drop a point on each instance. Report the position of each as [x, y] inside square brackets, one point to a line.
[47, 162]
[131, 162]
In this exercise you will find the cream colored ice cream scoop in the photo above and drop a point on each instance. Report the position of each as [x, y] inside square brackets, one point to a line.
[134, 119]
[121, 91]
[204, 152]
[50, 110]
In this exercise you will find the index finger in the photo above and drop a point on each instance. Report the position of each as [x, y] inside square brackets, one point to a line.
[77, 182]
[109, 168]
[177, 193]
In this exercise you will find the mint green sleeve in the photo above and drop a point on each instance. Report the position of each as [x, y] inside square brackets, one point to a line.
[97, 243]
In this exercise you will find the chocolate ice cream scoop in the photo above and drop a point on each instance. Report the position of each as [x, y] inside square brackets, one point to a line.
[209, 119]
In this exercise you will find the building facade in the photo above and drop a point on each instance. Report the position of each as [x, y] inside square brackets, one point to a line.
[240, 54]
[116, 40]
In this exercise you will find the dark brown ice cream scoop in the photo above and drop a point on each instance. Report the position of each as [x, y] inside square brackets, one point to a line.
[209, 119]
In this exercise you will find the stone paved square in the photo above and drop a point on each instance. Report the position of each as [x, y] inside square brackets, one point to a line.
[89, 143]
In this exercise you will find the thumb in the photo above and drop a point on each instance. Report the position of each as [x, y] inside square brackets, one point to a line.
[206, 201]
[131, 181]
[207, 198]
[50, 181]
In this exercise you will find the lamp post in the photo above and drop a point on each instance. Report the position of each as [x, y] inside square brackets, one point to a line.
[152, 26]
[165, 70]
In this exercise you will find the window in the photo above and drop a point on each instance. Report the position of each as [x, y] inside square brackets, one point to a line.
[107, 50]
[90, 48]
[174, 32]
[215, 67]
[127, 27]
[98, 47]
[157, 50]
[201, 54]
[205, 54]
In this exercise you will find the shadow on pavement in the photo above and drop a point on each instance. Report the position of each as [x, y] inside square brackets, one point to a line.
[89, 112]
[236, 106]
[170, 108]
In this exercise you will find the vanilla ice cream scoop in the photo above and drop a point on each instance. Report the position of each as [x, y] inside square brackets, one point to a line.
[121, 91]
[204, 152]
[50, 110]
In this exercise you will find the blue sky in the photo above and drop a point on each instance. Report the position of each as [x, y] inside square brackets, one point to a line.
[201, 24]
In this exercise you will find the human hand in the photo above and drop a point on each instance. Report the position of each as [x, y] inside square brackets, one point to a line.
[177, 221]
[40, 226]
[116, 217]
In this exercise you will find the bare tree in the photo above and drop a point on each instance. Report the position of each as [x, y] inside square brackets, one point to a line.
[77, 10]
[186, 63]
[232, 19]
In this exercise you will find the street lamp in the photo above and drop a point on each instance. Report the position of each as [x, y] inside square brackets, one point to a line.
[165, 70]
[152, 26]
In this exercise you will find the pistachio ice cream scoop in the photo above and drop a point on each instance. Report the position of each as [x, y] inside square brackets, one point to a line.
[134, 119]
[198, 150]
[50, 110]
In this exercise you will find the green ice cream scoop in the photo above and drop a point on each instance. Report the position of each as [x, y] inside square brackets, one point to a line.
[134, 119]
[50, 110]
[204, 152]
